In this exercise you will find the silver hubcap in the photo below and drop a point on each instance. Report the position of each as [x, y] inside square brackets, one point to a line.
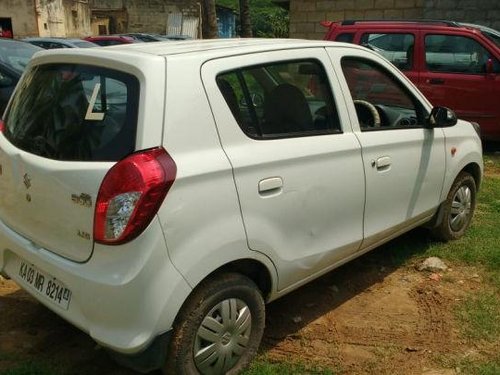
[460, 208]
[222, 337]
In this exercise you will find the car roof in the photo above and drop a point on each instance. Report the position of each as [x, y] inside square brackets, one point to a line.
[218, 46]
[401, 24]
[110, 37]
[53, 39]
[137, 53]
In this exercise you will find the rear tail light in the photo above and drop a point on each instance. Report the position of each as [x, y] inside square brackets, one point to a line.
[131, 194]
[2, 126]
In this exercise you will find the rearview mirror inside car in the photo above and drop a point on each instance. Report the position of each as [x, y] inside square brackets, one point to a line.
[441, 117]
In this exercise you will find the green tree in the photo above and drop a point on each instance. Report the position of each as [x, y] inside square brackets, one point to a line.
[267, 19]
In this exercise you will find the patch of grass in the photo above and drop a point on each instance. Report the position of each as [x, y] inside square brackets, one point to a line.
[481, 316]
[480, 245]
[33, 368]
[264, 367]
[480, 368]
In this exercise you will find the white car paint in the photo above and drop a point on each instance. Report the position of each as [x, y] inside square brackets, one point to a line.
[328, 203]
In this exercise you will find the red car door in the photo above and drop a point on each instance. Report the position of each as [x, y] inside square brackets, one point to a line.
[454, 74]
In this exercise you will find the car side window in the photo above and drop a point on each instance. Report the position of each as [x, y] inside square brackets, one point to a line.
[381, 101]
[345, 37]
[395, 47]
[456, 54]
[281, 100]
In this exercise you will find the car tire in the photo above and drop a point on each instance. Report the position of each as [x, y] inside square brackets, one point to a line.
[458, 209]
[219, 328]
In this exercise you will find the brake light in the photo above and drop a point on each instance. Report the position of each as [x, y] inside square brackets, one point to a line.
[2, 126]
[131, 194]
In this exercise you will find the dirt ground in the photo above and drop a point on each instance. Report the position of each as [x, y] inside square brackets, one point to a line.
[368, 317]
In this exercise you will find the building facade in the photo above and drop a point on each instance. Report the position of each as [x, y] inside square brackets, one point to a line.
[80, 18]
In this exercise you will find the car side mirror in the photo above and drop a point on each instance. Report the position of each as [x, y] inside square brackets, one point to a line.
[489, 66]
[441, 117]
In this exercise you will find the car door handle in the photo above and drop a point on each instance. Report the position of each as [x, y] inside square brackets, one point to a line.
[435, 81]
[383, 163]
[270, 186]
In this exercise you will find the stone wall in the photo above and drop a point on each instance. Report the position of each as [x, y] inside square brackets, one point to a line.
[22, 14]
[306, 15]
[483, 12]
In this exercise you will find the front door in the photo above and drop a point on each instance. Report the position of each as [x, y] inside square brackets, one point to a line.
[297, 164]
[454, 75]
[404, 162]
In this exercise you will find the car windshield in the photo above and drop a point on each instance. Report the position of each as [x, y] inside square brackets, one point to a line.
[491, 34]
[16, 54]
[74, 112]
[494, 37]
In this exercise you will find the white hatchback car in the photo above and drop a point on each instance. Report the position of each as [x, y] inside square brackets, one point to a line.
[158, 195]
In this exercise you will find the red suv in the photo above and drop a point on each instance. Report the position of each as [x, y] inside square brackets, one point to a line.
[454, 64]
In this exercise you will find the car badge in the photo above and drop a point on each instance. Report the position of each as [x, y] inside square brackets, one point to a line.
[27, 180]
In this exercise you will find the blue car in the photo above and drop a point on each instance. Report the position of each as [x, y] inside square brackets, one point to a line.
[14, 56]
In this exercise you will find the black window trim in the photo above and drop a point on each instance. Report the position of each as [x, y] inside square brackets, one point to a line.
[419, 107]
[262, 137]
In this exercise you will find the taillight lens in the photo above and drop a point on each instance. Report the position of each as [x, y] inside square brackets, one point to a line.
[131, 194]
[2, 126]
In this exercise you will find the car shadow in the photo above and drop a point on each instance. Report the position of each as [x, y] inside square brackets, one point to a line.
[289, 314]
[39, 335]
[491, 147]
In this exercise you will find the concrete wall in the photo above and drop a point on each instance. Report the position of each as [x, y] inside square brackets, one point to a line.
[22, 13]
[483, 12]
[63, 18]
[152, 15]
[306, 15]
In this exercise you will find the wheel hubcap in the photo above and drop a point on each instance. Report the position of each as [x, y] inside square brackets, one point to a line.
[460, 208]
[222, 337]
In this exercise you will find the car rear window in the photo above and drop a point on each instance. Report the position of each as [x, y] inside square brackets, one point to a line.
[74, 112]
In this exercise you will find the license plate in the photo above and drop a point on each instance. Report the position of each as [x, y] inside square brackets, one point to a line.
[44, 284]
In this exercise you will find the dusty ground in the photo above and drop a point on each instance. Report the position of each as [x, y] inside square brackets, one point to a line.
[366, 317]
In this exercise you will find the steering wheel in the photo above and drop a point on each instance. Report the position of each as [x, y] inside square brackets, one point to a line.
[368, 115]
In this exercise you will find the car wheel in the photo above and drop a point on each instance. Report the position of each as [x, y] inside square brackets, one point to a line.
[219, 328]
[458, 208]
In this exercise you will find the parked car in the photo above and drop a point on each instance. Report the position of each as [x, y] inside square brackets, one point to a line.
[161, 219]
[110, 40]
[143, 37]
[453, 64]
[50, 43]
[14, 56]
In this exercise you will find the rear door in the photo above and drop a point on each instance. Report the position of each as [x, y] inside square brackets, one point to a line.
[66, 126]
[297, 164]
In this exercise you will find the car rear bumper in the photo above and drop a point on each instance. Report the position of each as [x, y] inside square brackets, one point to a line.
[123, 297]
